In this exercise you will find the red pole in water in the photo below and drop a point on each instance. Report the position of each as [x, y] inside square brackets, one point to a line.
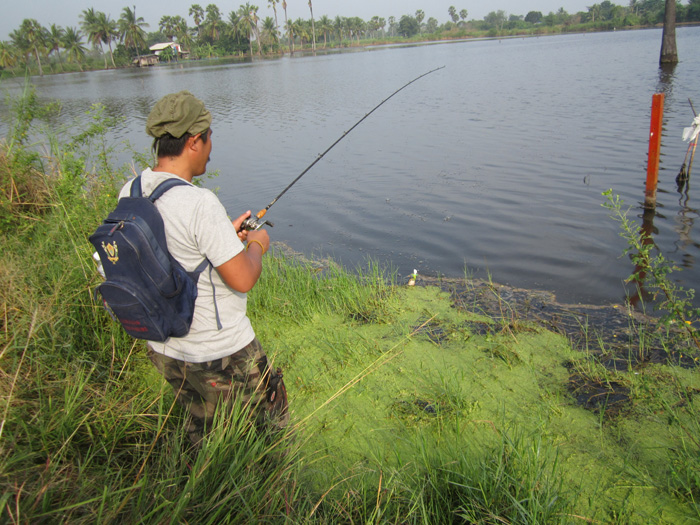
[657, 116]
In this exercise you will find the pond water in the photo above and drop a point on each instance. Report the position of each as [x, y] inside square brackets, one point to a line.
[493, 166]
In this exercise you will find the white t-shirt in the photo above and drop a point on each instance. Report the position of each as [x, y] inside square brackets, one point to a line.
[197, 227]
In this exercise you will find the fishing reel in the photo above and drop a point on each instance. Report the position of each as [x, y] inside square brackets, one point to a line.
[254, 223]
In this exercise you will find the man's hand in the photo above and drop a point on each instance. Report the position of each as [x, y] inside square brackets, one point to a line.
[238, 223]
[259, 236]
[242, 272]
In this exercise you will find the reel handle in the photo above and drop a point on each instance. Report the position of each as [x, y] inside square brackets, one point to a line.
[254, 223]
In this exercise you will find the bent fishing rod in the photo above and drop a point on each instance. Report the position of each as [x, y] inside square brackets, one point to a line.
[255, 222]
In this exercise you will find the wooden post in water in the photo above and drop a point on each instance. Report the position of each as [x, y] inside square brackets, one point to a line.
[669, 51]
[657, 116]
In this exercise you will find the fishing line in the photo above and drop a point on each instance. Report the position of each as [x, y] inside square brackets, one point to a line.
[254, 223]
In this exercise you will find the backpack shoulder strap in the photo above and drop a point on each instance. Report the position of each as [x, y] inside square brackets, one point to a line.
[195, 277]
[136, 187]
[165, 186]
[160, 189]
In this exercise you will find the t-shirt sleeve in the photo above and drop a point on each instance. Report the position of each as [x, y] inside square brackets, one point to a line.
[126, 190]
[214, 233]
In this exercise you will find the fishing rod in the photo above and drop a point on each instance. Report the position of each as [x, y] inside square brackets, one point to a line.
[256, 222]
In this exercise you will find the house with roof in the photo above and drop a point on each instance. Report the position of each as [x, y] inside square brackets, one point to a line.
[157, 49]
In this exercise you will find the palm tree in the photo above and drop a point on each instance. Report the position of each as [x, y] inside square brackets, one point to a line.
[8, 55]
[357, 26]
[313, 28]
[236, 27]
[382, 24]
[420, 15]
[594, 11]
[54, 41]
[453, 13]
[269, 32]
[325, 25]
[288, 27]
[273, 4]
[20, 45]
[31, 37]
[634, 5]
[209, 49]
[197, 13]
[299, 29]
[182, 32]
[248, 15]
[131, 30]
[100, 29]
[89, 18]
[213, 24]
[73, 44]
[107, 29]
[167, 27]
[89, 25]
[339, 24]
[373, 26]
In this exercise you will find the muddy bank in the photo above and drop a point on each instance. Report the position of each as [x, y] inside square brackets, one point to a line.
[619, 337]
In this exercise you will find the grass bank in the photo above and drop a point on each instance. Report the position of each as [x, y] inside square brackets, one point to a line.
[410, 404]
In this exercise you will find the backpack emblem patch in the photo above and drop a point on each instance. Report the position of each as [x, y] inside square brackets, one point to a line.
[112, 251]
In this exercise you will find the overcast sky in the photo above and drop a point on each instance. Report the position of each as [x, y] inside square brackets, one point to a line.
[67, 12]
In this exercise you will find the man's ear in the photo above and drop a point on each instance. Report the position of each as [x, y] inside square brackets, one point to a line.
[192, 142]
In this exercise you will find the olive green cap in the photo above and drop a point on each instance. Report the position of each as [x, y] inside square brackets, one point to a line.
[177, 114]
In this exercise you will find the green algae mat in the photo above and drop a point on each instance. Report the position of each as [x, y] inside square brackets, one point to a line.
[425, 394]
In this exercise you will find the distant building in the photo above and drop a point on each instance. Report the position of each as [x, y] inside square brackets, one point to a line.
[157, 49]
[146, 60]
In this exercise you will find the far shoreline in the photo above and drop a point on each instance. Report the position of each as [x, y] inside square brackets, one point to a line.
[373, 44]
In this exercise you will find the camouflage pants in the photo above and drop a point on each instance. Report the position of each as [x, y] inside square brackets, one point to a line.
[245, 375]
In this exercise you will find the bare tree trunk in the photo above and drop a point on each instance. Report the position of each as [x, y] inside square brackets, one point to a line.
[290, 37]
[313, 28]
[257, 37]
[38, 61]
[111, 54]
[669, 52]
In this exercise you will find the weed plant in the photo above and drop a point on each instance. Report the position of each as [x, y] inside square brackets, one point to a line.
[401, 413]
[652, 271]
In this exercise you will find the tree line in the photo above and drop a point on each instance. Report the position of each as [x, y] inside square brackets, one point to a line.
[209, 33]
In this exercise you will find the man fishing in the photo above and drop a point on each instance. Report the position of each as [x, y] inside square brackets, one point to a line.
[219, 359]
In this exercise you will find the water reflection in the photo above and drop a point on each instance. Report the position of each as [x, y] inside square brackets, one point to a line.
[666, 76]
[640, 296]
[685, 220]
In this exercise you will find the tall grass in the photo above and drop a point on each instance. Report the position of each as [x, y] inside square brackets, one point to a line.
[296, 289]
[511, 478]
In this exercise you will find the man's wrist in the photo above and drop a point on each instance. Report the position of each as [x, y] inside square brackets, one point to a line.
[256, 242]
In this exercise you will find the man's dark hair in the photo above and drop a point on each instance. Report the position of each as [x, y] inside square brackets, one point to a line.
[169, 146]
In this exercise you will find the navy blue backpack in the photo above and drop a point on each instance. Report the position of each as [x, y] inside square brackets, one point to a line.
[145, 288]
